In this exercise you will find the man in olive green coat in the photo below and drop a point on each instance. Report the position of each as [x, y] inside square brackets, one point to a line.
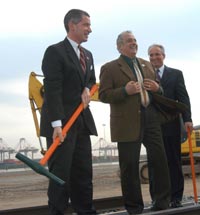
[128, 85]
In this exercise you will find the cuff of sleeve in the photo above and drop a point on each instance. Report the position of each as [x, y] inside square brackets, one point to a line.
[124, 91]
[87, 88]
[56, 123]
[160, 90]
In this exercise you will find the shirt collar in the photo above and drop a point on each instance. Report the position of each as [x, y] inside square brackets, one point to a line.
[128, 59]
[161, 69]
[74, 45]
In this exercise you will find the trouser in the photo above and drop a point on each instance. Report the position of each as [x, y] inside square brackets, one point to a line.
[173, 151]
[129, 154]
[72, 162]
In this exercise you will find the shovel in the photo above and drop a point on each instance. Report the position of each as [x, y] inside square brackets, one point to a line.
[39, 167]
[192, 166]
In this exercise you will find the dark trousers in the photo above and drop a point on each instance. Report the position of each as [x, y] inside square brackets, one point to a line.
[129, 154]
[72, 162]
[173, 150]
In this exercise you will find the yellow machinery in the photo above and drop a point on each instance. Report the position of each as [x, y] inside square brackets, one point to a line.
[36, 92]
[36, 99]
[195, 142]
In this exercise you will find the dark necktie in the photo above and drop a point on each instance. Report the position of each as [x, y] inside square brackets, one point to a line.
[82, 58]
[158, 75]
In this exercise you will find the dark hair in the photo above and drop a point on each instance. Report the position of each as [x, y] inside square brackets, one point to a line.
[75, 16]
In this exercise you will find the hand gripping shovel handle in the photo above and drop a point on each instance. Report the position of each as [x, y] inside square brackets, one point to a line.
[192, 165]
[66, 128]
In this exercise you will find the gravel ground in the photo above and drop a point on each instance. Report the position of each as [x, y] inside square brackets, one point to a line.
[27, 188]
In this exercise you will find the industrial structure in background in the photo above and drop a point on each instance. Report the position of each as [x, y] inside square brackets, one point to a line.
[104, 151]
[7, 153]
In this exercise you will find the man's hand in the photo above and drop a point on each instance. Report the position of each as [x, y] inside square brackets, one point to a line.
[85, 97]
[57, 132]
[188, 125]
[150, 85]
[132, 87]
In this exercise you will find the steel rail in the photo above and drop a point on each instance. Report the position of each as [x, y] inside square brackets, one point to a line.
[108, 206]
[103, 205]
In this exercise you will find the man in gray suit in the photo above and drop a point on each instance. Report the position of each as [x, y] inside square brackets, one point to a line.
[128, 85]
[173, 84]
[66, 85]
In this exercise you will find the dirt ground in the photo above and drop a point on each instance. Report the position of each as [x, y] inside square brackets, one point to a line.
[26, 188]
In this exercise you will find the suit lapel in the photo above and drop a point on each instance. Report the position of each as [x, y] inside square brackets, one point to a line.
[74, 58]
[165, 76]
[126, 69]
[146, 70]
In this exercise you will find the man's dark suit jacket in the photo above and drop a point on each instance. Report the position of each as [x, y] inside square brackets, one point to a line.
[174, 88]
[63, 85]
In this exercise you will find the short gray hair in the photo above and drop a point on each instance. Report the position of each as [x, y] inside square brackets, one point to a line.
[120, 39]
[157, 45]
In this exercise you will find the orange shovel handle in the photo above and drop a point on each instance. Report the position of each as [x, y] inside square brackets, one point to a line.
[192, 166]
[66, 128]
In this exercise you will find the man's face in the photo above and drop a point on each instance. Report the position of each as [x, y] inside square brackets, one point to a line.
[156, 57]
[79, 32]
[129, 47]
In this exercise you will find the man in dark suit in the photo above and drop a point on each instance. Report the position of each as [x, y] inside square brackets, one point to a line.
[66, 85]
[124, 84]
[173, 84]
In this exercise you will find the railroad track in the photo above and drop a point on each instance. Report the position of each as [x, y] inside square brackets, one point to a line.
[111, 206]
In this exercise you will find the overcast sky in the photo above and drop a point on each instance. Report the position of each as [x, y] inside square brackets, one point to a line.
[27, 28]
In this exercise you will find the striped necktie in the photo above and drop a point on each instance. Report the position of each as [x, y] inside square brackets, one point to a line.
[158, 75]
[82, 58]
[143, 93]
